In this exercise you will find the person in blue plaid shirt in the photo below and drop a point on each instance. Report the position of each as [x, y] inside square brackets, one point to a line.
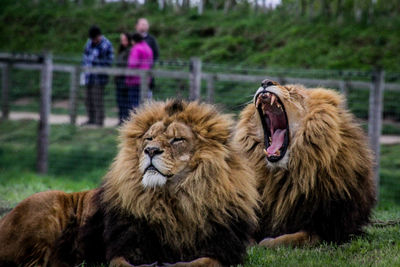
[98, 52]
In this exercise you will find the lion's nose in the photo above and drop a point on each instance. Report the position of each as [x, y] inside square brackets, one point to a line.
[152, 151]
[267, 83]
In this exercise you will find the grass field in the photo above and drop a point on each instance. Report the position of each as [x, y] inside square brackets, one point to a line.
[242, 36]
[80, 157]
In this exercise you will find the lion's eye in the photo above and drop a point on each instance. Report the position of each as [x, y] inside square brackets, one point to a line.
[149, 138]
[177, 140]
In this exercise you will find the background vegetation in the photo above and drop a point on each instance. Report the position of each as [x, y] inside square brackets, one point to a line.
[338, 34]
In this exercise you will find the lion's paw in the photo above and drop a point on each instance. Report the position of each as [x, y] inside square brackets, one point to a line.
[267, 242]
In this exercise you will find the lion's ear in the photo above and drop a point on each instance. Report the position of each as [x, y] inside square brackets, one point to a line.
[175, 106]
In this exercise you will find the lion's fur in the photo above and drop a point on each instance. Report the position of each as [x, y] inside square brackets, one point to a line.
[218, 186]
[326, 186]
[208, 210]
[29, 232]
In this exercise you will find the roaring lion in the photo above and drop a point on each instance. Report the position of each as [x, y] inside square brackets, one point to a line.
[177, 194]
[312, 162]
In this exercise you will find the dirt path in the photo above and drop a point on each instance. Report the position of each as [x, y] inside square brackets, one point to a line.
[59, 118]
[112, 122]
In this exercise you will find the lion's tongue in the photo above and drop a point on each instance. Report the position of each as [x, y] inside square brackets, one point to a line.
[277, 141]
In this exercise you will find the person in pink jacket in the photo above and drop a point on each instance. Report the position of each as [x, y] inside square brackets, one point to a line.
[140, 57]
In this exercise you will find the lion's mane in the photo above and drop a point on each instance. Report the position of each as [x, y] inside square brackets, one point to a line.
[326, 186]
[207, 211]
[215, 199]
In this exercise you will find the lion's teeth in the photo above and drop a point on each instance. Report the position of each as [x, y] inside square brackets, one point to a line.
[272, 99]
[265, 152]
[278, 105]
[269, 95]
[257, 102]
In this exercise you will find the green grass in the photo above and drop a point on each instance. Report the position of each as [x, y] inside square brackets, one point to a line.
[242, 36]
[80, 157]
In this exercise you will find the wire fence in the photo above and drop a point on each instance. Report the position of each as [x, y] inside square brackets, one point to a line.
[76, 148]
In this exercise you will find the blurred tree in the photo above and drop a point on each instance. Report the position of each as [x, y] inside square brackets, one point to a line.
[326, 8]
[303, 7]
[229, 4]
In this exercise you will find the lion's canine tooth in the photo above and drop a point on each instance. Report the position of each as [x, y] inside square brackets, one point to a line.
[278, 105]
[269, 94]
[265, 152]
[272, 99]
[257, 102]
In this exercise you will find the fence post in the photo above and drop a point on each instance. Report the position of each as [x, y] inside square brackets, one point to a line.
[375, 118]
[210, 88]
[73, 90]
[5, 89]
[144, 87]
[195, 78]
[45, 105]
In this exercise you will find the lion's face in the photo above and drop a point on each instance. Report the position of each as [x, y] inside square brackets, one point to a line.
[166, 153]
[177, 167]
[280, 110]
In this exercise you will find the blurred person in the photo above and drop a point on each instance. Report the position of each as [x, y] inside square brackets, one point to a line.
[98, 52]
[140, 57]
[121, 89]
[142, 27]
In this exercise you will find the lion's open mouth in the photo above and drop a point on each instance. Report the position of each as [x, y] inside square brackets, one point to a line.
[275, 125]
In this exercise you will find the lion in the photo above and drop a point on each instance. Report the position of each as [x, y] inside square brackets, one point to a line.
[30, 234]
[177, 194]
[312, 163]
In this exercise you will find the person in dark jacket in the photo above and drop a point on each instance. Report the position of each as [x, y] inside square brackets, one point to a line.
[122, 62]
[98, 52]
[142, 27]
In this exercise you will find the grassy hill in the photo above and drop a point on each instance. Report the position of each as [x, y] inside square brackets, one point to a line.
[276, 38]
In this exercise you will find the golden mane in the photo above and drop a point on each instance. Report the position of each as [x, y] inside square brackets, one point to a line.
[328, 160]
[219, 185]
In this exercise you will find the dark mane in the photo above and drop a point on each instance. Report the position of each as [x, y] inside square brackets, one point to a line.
[175, 106]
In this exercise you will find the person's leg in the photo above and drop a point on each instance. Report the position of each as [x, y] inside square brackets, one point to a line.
[99, 104]
[149, 95]
[89, 103]
[152, 86]
[133, 98]
[125, 105]
[121, 89]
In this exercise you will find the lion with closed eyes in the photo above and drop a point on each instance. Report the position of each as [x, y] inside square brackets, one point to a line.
[177, 193]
